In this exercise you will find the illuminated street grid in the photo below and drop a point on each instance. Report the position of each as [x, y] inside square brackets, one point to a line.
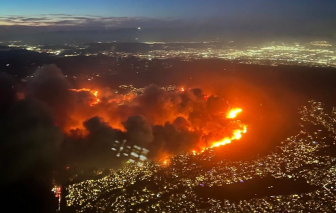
[171, 187]
[315, 54]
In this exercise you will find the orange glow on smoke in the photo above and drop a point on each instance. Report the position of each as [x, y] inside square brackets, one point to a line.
[233, 113]
[222, 135]
[237, 134]
[93, 92]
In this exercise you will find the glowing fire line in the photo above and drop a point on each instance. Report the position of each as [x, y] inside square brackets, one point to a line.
[93, 92]
[236, 135]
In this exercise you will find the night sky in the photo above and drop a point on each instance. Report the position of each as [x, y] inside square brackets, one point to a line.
[299, 17]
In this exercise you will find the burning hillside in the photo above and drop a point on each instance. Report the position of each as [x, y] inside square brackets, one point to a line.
[94, 93]
[164, 120]
[182, 121]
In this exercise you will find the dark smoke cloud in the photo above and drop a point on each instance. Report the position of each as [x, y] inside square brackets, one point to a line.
[28, 149]
[29, 139]
[162, 121]
[7, 93]
[181, 123]
[50, 86]
[92, 150]
[159, 106]
[173, 138]
[138, 130]
[155, 104]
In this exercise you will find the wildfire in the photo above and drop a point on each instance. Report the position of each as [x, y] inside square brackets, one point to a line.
[233, 113]
[182, 89]
[166, 162]
[237, 134]
[93, 92]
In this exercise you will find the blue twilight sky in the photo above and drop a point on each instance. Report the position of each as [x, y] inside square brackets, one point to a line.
[299, 16]
[165, 8]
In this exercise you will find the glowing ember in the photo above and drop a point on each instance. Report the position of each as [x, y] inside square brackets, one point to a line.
[233, 113]
[182, 89]
[93, 92]
[166, 162]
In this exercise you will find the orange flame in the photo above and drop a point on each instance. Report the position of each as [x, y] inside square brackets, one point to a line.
[221, 143]
[237, 134]
[93, 92]
[182, 89]
[233, 113]
[166, 162]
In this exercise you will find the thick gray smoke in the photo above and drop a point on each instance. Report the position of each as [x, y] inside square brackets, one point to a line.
[7, 93]
[50, 86]
[139, 131]
[161, 121]
[93, 149]
[29, 144]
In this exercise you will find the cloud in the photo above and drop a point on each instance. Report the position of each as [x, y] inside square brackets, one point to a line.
[87, 21]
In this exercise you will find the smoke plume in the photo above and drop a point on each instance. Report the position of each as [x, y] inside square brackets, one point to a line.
[29, 146]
